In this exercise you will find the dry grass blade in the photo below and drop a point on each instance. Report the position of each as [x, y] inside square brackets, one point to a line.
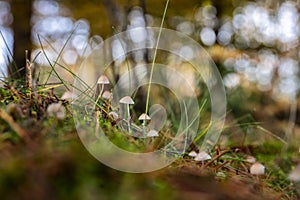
[215, 158]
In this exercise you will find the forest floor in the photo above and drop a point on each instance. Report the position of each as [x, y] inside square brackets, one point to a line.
[42, 157]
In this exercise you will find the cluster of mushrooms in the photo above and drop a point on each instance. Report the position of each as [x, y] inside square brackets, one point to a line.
[127, 100]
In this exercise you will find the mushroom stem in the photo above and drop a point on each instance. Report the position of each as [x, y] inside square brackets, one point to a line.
[144, 129]
[144, 125]
[127, 100]
[143, 117]
[128, 119]
[102, 87]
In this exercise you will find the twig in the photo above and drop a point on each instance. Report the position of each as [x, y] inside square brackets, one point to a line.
[215, 158]
[21, 132]
[28, 74]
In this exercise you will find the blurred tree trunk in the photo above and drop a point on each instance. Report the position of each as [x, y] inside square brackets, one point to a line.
[22, 11]
[115, 14]
[117, 18]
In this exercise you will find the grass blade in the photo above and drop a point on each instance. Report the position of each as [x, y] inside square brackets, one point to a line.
[154, 56]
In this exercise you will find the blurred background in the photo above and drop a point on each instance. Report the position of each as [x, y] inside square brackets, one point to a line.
[252, 42]
[255, 44]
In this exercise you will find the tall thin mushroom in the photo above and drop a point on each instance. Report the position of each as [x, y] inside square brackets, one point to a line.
[144, 117]
[103, 80]
[128, 101]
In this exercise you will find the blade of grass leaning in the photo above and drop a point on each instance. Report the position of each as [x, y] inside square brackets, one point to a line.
[70, 71]
[187, 124]
[203, 132]
[154, 57]
[9, 52]
[61, 51]
[52, 67]
[76, 77]
[49, 88]
[87, 87]
[192, 122]
[65, 68]
[271, 134]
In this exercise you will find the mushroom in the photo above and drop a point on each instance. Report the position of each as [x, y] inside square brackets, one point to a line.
[103, 80]
[128, 101]
[56, 110]
[295, 174]
[114, 115]
[68, 96]
[202, 156]
[152, 133]
[106, 95]
[193, 154]
[257, 169]
[144, 117]
[250, 159]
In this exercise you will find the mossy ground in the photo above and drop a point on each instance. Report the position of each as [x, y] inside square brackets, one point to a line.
[43, 158]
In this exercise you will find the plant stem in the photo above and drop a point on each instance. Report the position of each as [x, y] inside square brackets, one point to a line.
[154, 57]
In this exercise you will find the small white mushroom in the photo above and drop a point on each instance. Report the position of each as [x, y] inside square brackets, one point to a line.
[106, 95]
[193, 154]
[295, 174]
[114, 115]
[202, 156]
[257, 169]
[69, 96]
[56, 110]
[250, 159]
[128, 101]
[144, 117]
[103, 80]
[152, 133]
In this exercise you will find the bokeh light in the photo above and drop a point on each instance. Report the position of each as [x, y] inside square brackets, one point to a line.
[266, 35]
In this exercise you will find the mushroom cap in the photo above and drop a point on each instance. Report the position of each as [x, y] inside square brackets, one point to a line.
[103, 80]
[257, 169]
[114, 115]
[56, 110]
[250, 159]
[106, 94]
[126, 100]
[144, 116]
[152, 133]
[193, 154]
[68, 96]
[295, 174]
[202, 156]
